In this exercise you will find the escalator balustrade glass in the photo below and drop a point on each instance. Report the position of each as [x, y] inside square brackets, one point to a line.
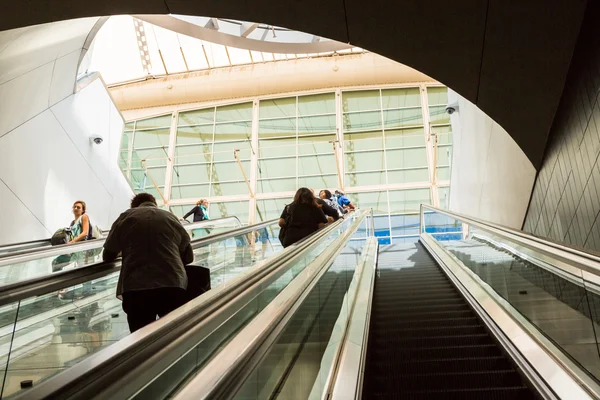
[44, 335]
[562, 301]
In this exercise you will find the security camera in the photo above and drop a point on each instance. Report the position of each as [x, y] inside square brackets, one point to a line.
[452, 108]
[97, 139]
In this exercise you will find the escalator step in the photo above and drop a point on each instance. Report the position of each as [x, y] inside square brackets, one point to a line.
[391, 366]
[435, 341]
[502, 393]
[416, 294]
[438, 321]
[427, 309]
[439, 352]
[449, 381]
[427, 332]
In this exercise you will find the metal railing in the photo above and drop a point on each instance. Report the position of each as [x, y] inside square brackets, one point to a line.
[127, 366]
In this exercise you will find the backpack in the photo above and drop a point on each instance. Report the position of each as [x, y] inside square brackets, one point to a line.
[61, 236]
[283, 229]
[335, 205]
[96, 232]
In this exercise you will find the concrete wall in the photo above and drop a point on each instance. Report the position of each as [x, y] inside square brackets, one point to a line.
[46, 159]
[491, 177]
[566, 200]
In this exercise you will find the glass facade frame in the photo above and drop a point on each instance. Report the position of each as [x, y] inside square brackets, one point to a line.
[380, 139]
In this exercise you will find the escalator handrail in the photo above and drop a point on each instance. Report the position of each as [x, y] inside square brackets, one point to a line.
[60, 280]
[34, 254]
[224, 374]
[154, 347]
[584, 261]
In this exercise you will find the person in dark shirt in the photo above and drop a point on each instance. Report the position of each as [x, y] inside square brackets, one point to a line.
[200, 211]
[328, 199]
[155, 249]
[302, 217]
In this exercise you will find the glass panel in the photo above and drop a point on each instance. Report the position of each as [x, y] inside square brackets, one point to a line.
[234, 112]
[195, 134]
[443, 173]
[403, 117]
[314, 125]
[443, 155]
[362, 121]
[224, 151]
[152, 138]
[272, 208]
[193, 154]
[376, 200]
[318, 182]
[437, 95]
[229, 188]
[361, 100]
[153, 157]
[438, 115]
[129, 125]
[408, 176]
[313, 165]
[229, 171]
[366, 161]
[192, 191]
[316, 104]
[231, 208]
[158, 175]
[444, 193]
[277, 108]
[408, 200]
[191, 174]
[316, 144]
[206, 116]
[277, 147]
[365, 179]
[363, 141]
[405, 138]
[397, 98]
[163, 121]
[277, 167]
[444, 134]
[406, 158]
[276, 185]
[233, 131]
[403, 225]
[277, 128]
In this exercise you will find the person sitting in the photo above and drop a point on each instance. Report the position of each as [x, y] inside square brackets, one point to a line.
[81, 228]
[155, 248]
[344, 202]
[302, 217]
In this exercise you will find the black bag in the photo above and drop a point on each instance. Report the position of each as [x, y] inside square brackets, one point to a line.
[283, 229]
[198, 280]
[61, 236]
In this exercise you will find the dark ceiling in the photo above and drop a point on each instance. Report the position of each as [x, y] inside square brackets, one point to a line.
[509, 57]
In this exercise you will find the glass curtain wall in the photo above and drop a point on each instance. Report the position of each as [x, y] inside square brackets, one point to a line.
[387, 148]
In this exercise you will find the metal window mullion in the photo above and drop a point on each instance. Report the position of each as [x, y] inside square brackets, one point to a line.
[339, 122]
[297, 145]
[212, 151]
[170, 157]
[429, 143]
[253, 162]
[130, 154]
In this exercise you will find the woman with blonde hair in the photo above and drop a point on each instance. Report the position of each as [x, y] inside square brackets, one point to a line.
[200, 211]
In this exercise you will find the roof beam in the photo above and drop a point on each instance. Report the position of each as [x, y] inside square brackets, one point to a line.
[247, 28]
[213, 24]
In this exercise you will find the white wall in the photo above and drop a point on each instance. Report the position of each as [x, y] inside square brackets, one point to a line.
[46, 159]
[492, 179]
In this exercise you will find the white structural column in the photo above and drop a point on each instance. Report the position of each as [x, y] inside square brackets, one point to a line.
[339, 146]
[253, 163]
[170, 158]
[429, 142]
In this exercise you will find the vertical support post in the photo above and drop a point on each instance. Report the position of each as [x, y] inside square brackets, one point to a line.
[339, 132]
[252, 207]
[465, 231]
[428, 142]
[171, 157]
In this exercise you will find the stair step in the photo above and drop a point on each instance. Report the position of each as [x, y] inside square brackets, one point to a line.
[448, 381]
[501, 393]
[441, 320]
[432, 341]
[489, 349]
[426, 332]
[392, 366]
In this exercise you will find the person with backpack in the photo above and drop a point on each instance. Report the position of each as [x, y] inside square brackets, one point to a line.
[327, 197]
[81, 227]
[344, 202]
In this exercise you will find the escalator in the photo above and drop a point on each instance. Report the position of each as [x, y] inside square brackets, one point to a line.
[426, 342]
[471, 311]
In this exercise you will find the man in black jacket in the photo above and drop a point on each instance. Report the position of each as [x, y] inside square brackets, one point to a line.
[155, 249]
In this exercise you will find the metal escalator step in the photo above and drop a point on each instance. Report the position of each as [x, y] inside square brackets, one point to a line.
[397, 306]
[501, 393]
[427, 332]
[440, 320]
[393, 365]
[489, 349]
[448, 381]
[432, 341]
[416, 293]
